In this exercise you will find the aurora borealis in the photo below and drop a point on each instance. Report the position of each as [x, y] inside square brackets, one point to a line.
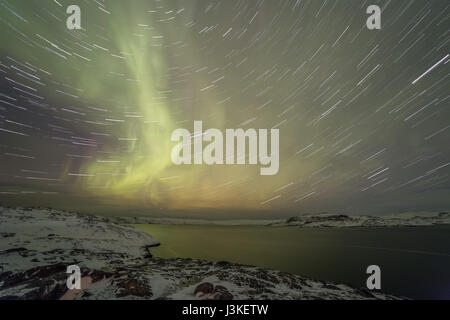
[86, 115]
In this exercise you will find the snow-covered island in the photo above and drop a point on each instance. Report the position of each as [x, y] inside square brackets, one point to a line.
[37, 245]
[345, 221]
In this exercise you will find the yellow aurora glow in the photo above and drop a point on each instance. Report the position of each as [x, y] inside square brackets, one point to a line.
[137, 168]
[86, 116]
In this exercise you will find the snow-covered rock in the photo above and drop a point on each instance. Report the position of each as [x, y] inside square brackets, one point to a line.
[47, 236]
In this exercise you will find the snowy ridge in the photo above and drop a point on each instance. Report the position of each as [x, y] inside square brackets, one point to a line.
[37, 245]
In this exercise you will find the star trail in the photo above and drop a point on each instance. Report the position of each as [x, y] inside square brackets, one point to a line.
[363, 115]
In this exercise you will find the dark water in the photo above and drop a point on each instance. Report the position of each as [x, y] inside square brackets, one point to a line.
[414, 262]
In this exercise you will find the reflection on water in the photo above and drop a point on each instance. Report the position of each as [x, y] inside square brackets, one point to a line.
[415, 262]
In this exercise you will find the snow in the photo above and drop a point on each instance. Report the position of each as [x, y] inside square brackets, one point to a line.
[37, 245]
[43, 230]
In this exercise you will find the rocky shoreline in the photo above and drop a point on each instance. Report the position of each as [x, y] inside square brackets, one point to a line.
[37, 245]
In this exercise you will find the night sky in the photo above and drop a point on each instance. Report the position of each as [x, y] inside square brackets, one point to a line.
[86, 115]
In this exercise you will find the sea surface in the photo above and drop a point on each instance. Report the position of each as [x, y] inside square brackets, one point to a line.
[414, 261]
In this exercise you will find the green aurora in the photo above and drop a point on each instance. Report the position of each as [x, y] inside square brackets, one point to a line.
[89, 113]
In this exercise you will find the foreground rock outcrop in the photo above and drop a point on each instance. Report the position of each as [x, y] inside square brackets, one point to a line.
[37, 246]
